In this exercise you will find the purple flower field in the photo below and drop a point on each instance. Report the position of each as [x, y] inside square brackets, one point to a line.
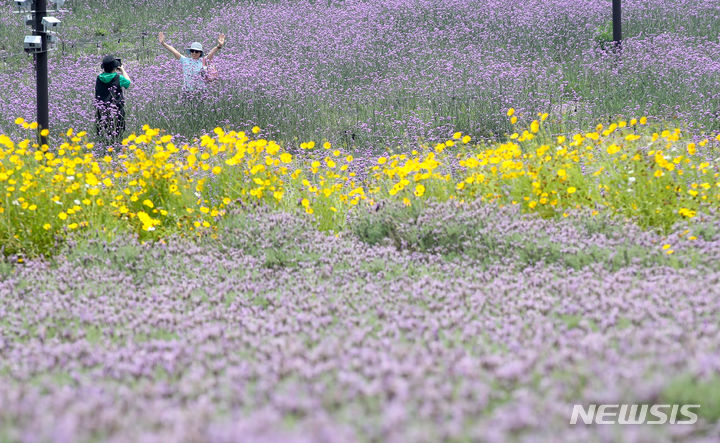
[418, 322]
[276, 332]
[377, 74]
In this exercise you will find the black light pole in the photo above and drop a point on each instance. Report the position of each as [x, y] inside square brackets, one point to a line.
[41, 70]
[617, 26]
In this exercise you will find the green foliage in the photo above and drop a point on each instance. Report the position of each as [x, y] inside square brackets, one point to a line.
[693, 390]
[277, 245]
[129, 256]
[6, 269]
[415, 229]
[604, 35]
[381, 224]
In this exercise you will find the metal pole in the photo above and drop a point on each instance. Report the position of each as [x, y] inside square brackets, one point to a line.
[617, 25]
[41, 72]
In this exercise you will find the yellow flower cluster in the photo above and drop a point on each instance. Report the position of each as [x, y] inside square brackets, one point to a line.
[155, 188]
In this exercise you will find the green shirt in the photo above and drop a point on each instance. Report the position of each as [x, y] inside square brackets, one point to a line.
[107, 77]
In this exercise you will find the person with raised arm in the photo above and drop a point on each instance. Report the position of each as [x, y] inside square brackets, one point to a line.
[194, 62]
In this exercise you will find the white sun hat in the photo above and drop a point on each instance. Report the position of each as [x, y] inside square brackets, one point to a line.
[196, 46]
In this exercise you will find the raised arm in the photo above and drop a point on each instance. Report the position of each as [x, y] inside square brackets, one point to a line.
[163, 43]
[220, 44]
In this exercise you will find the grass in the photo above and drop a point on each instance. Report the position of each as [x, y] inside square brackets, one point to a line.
[475, 239]
[695, 390]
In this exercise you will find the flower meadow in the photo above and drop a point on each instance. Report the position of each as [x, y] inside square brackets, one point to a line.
[230, 290]
[276, 331]
[377, 74]
[155, 188]
[402, 220]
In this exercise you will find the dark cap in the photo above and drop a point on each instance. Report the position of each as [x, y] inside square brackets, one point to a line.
[109, 63]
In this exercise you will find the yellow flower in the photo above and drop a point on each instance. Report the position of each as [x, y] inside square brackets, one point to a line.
[466, 139]
[62, 216]
[47, 226]
[419, 190]
[91, 179]
[613, 149]
[217, 170]
[148, 203]
[561, 173]
[571, 190]
[534, 127]
[685, 212]
[632, 137]
[285, 157]
[691, 149]
[147, 221]
[382, 160]
[19, 121]
[457, 135]
[255, 129]
[510, 112]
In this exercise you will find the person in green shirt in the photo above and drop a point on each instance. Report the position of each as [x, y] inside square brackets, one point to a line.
[110, 102]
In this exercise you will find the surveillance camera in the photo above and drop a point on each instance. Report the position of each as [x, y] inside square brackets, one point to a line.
[23, 5]
[33, 43]
[50, 23]
[29, 20]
